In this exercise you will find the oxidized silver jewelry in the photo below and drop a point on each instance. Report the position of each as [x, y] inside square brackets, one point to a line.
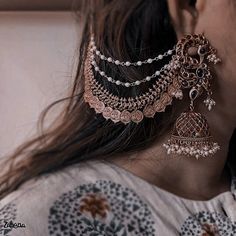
[187, 69]
[132, 109]
[191, 134]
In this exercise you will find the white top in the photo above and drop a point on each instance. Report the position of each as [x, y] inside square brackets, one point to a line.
[100, 199]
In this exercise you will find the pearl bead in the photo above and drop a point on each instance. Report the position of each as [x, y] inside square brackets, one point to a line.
[102, 57]
[160, 57]
[127, 85]
[109, 79]
[169, 52]
[102, 73]
[109, 59]
[127, 63]
[97, 52]
[118, 82]
[148, 78]
[96, 68]
[137, 82]
[149, 60]
[157, 73]
[139, 63]
[117, 62]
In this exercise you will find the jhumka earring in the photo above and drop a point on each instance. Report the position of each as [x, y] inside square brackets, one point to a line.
[188, 68]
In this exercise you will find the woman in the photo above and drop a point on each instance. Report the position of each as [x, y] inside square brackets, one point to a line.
[101, 169]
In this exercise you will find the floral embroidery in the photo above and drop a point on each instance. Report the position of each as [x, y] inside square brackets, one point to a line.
[210, 230]
[94, 204]
[7, 214]
[208, 224]
[103, 208]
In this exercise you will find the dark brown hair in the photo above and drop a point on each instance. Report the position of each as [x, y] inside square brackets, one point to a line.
[127, 30]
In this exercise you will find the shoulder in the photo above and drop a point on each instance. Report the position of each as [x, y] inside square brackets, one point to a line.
[81, 200]
[30, 205]
[47, 187]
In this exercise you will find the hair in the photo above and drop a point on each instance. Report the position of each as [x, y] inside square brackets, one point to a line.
[126, 30]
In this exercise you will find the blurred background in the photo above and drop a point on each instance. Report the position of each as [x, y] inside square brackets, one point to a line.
[38, 53]
[36, 5]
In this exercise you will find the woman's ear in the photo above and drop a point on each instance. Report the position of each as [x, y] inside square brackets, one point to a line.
[184, 15]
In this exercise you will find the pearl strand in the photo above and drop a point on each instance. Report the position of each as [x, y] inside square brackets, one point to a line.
[127, 84]
[128, 63]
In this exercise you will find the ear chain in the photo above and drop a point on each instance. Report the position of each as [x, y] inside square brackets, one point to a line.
[188, 69]
[157, 73]
[130, 109]
[128, 63]
[127, 84]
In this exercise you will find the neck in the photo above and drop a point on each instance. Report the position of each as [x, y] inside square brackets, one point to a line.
[187, 177]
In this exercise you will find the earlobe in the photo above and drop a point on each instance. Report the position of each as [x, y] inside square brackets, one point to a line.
[184, 16]
[200, 5]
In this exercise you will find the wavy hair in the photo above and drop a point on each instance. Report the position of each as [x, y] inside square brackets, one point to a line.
[126, 30]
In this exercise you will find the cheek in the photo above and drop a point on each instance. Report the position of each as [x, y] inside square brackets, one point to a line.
[218, 22]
